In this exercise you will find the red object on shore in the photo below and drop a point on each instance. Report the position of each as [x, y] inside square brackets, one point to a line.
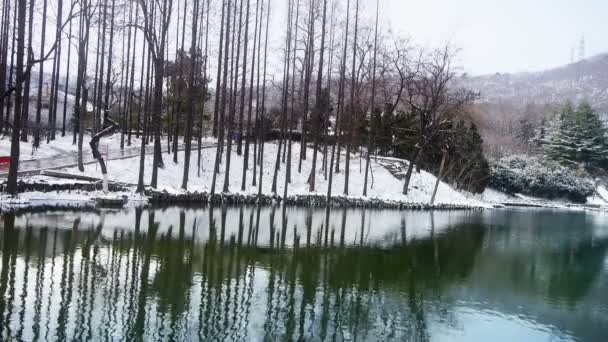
[5, 162]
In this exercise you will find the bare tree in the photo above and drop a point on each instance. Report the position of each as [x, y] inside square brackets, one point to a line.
[431, 99]
[14, 165]
[351, 118]
[192, 94]
[250, 105]
[156, 35]
[372, 104]
[319, 107]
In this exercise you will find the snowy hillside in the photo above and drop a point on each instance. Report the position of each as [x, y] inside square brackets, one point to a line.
[584, 80]
[383, 185]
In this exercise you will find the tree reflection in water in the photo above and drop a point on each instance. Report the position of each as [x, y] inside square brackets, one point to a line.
[180, 277]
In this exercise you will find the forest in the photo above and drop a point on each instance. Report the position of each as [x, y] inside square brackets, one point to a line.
[330, 78]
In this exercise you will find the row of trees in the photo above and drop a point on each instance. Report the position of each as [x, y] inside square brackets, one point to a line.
[186, 66]
[575, 136]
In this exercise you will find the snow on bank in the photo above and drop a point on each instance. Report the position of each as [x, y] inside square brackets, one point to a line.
[384, 185]
[63, 146]
[497, 197]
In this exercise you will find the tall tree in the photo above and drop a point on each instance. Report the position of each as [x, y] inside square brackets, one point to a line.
[40, 78]
[233, 104]
[4, 34]
[351, 117]
[67, 82]
[372, 103]
[14, 165]
[239, 149]
[222, 109]
[192, 94]
[156, 35]
[341, 90]
[55, 79]
[319, 107]
[282, 117]
[263, 108]
[216, 107]
[250, 105]
[28, 77]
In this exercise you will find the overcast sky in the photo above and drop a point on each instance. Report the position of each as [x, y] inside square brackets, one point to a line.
[504, 35]
[492, 35]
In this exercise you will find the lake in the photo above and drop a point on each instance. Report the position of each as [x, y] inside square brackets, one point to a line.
[285, 273]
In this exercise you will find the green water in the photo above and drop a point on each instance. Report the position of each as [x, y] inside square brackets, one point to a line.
[277, 274]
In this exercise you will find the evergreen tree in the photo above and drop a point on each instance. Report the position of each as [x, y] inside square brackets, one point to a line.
[576, 137]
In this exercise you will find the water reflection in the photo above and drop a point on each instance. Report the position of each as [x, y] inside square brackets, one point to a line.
[281, 273]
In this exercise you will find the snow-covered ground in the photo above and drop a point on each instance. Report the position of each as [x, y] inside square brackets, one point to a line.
[384, 185]
[492, 196]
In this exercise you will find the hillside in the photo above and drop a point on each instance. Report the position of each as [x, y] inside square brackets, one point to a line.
[584, 80]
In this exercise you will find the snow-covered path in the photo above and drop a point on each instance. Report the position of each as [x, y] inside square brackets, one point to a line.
[60, 154]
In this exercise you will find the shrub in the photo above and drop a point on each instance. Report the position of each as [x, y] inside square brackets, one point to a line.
[540, 178]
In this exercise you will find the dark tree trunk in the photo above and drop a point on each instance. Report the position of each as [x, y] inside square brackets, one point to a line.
[224, 95]
[67, 81]
[239, 149]
[56, 71]
[250, 106]
[263, 100]
[233, 98]
[318, 109]
[351, 123]
[373, 104]
[40, 79]
[28, 77]
[14, 165]
[216, 107]
[4, 30]
[192, 95]
[283, 120]
[410, 168]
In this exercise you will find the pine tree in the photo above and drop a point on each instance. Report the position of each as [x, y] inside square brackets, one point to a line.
[576, 137]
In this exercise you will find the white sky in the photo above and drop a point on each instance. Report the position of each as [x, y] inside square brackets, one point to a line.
[504, 35]
[492, 35]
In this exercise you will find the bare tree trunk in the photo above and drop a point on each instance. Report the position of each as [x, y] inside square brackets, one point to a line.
[293, 96]
[216, 107]
[283, 119]
[410, 168]
[55, 79]
[176, 115]
[233, 98]
[351, 125]
[341, 90]
[200, 124]
[67, 81]
[264, 98]
[222, 110]
[257, 123]
[106, 104]
[28, 77]
[239, 149]
[125, 78]
[14, 165]
[40, 79]
[192, 97]
[318, 110]
[309, 58]
[439, 176]
[250, 106]
[4, 34]
[144, 120]
[373, 104]
[129, 126]
[94, 143]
